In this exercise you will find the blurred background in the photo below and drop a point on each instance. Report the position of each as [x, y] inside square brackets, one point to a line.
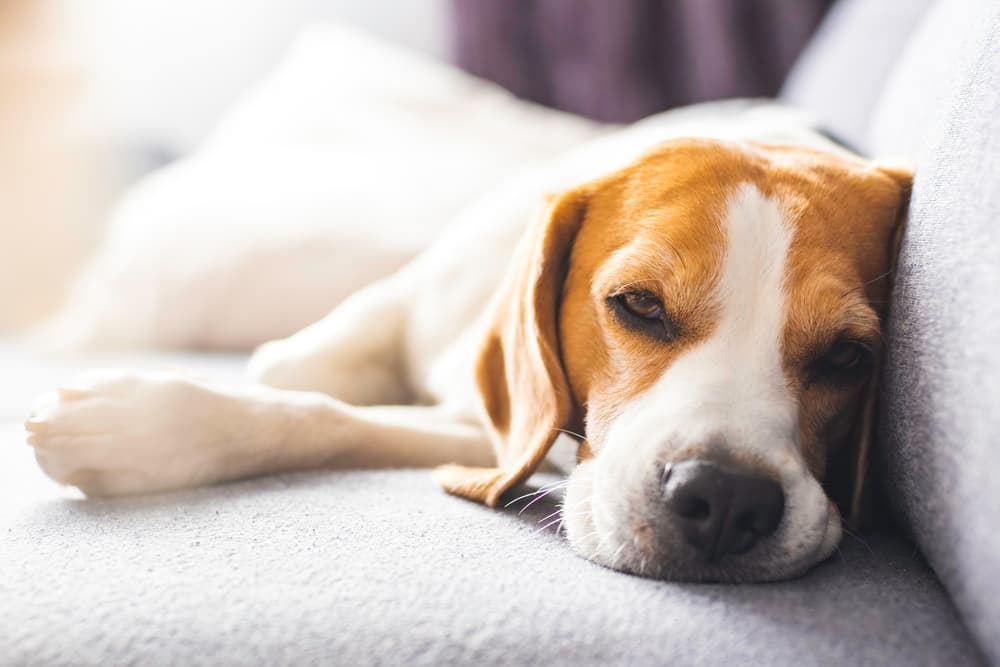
[98, 93]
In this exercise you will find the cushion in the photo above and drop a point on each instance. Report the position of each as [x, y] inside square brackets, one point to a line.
[941, 420]
[333, 172]
[358, 568]
[29, 371]
[383, 568]
[918, 99]
[840, 75]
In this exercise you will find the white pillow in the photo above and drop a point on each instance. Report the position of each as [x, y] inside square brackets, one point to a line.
[332, 173]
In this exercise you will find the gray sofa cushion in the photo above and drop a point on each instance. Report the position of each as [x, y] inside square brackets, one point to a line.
[382, 568]
[28, 372]
[918, 100]
[840, 75]
[942, 416]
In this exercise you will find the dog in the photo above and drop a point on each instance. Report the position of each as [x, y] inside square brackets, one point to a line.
[700, 310]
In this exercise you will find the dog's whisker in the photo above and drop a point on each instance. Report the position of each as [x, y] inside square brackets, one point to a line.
[617, 553]
[539, 497]
[550, 524]
[569, 432]
[600, 543]
[866, 283]
[859, 539]
[546, 518]
[527, 495]
[677, 255]
[547, 487]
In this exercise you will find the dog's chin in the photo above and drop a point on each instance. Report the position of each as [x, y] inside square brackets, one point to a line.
[636, 547]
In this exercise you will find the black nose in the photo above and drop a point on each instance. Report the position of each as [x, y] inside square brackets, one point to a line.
[721, 510]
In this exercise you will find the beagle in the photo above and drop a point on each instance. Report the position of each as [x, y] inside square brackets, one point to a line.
[704, 319]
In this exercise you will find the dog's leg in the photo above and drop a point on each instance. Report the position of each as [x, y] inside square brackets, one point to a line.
[135, 433]
[354, 353]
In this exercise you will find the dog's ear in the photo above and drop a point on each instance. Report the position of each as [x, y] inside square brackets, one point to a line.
[859, 504]
[519, 371]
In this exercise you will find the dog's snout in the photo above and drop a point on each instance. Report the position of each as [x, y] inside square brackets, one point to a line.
[720, 510]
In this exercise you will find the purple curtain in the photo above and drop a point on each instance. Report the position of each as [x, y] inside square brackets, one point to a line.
[620, 60]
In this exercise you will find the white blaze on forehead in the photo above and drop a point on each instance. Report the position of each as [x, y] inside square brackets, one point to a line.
[751, 294]
[730, 388]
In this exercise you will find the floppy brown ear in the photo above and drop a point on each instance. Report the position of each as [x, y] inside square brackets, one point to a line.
[519, 371]
[860, 504]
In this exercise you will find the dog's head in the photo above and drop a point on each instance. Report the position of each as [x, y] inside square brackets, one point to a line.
[710, 318]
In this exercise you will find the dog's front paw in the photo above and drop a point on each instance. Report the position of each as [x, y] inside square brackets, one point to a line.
[122, 433]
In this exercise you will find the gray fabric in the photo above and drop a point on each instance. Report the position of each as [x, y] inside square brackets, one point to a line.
[27, 373]
[919, 97]
[942, 449]
[840, 75]
[368, 568]
[382, 568]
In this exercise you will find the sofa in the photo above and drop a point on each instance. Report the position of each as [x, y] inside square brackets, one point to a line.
[364, 567]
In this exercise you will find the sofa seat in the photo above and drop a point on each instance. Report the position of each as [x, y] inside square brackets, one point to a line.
[359, 568]
[365, 568]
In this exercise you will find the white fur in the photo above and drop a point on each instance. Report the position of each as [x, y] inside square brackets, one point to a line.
[728, 392]
[336, 170]
[409, 339]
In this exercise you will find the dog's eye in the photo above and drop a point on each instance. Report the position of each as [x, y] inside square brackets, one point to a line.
[645, 306]
[643, 312]
[844, 361]
[844, 355]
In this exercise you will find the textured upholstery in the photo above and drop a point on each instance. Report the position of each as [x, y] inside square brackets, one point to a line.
[382, 568]
[942, 422]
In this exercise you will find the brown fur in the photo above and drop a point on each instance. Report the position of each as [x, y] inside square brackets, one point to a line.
[554, 353]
